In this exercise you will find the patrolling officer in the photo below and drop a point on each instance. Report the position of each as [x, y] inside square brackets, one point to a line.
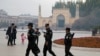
[31, 41]
[48, 41]
[68, 42]
[37, 35]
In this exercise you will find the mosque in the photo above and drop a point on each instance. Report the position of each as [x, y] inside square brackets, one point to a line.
[61, 17]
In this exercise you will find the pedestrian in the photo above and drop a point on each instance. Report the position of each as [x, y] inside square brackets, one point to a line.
[37, 35]
[31, 41]
[94, 32]
[23, 37]
[10, 32]
[48, 41]
[14, 35]
[68, 42]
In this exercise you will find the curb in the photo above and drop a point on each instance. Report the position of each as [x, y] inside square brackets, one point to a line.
[78, 48]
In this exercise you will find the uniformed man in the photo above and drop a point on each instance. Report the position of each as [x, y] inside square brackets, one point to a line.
[37, 35]
[48, 41]
[68, 42]
[31, 41]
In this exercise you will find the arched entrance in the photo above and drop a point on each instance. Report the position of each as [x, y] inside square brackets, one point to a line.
[60, 21]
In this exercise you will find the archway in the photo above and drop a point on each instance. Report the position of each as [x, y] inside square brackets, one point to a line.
[60, 21]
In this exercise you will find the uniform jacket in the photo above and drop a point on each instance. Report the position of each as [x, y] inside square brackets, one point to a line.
[68, 38]
[48, 36]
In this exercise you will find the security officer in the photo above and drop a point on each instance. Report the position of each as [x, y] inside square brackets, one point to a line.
[31, 41]
[68, 42]
[37, 35]
[48, 41]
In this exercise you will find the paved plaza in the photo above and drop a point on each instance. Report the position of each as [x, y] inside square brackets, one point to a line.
[20, 49]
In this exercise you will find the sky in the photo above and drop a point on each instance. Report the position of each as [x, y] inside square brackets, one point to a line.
[17, 7]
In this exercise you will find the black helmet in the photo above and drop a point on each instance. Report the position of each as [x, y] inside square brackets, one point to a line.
[46, 25]
[30, 24]
[68, 29]
[37, 28]
[12, 24]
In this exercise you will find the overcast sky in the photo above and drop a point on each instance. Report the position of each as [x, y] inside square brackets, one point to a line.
[17, 7]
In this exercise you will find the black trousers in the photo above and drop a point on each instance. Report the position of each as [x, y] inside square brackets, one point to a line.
[67, 50]
[14, 41]
[29, 48]
[48, 48]
[10, 40]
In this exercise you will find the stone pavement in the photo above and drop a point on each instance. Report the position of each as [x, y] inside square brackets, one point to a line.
[19, 49]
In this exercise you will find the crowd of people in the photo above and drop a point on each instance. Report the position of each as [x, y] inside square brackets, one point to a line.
[33, 39]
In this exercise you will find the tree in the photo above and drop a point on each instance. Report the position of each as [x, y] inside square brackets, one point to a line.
[71, 6]
[90, 15]
[88, 7]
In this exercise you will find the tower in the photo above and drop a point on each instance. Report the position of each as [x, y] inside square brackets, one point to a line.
[77, 11]
[39, 11]
[39, 16]
[64, 1]
[64, 4]
[79, 0]
[60, 1]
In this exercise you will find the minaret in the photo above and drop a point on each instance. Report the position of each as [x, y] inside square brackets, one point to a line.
[60, 1]
[64, 1]
[64, 4]
[39, 16]
[39, 11]
[77, 11]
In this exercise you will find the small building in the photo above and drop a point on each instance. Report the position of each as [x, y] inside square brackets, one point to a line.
[22, 20]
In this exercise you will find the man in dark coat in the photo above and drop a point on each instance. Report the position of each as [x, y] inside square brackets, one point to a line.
[10, 32]
[68, 42]
[31, 41]
[48, 41]
[14, 35]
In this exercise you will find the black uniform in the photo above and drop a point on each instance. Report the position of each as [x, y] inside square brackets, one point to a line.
[10, 32]
[31, 43]
[37, 36]
[48, 42]
[68, 43]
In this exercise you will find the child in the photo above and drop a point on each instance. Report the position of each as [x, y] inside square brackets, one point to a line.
[23, 37]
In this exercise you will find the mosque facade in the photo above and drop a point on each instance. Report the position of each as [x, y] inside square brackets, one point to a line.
[61, 18]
